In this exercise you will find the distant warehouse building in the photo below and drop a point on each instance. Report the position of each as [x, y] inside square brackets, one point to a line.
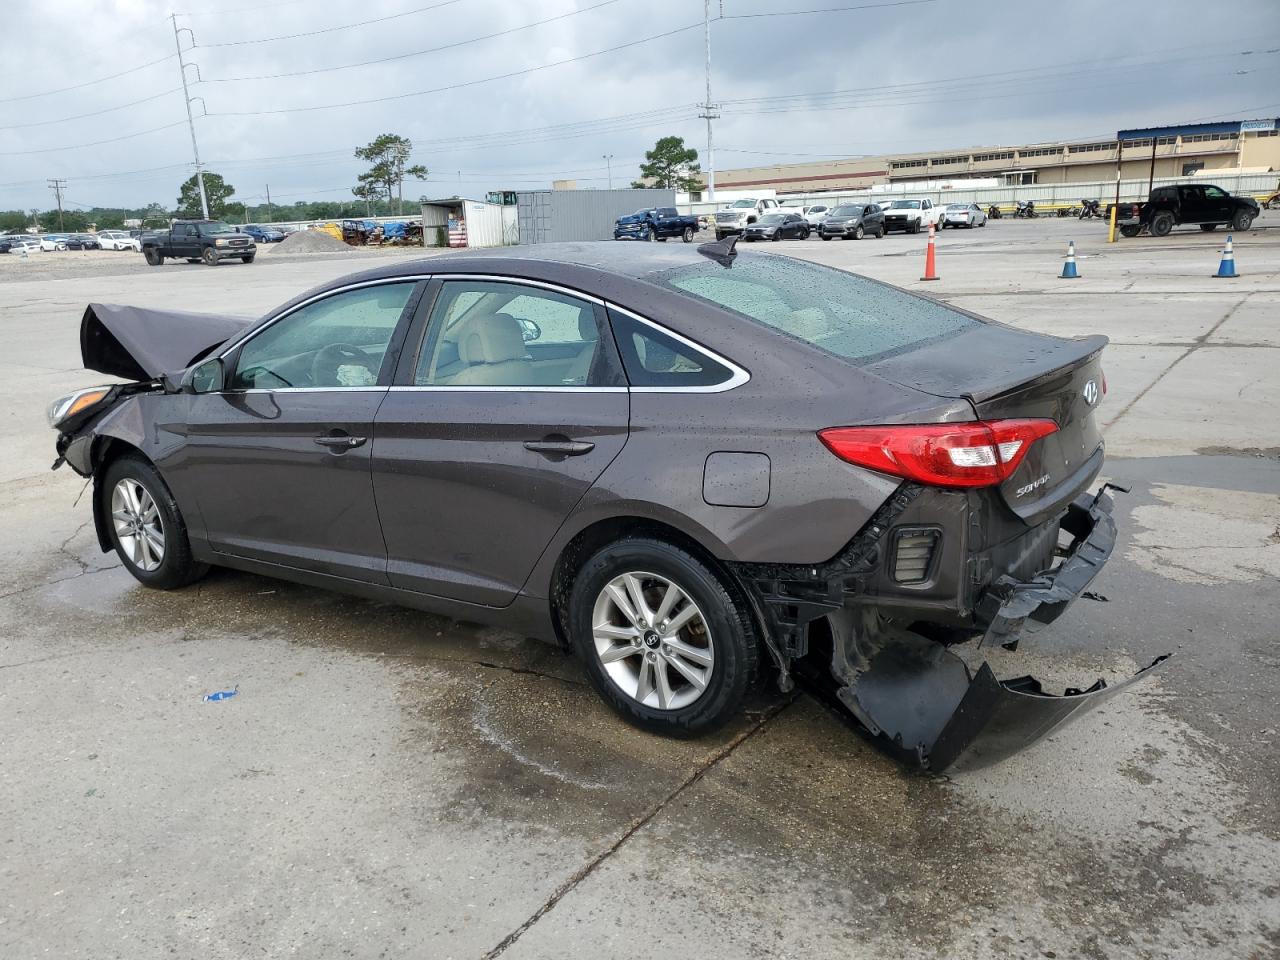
[1250, 146]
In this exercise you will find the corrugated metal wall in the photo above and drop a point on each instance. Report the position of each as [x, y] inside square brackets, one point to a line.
[549, 216]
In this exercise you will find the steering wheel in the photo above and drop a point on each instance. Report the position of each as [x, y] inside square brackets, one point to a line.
[325, 364]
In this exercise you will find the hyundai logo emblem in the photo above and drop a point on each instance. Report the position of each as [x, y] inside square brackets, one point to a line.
[1091, 392]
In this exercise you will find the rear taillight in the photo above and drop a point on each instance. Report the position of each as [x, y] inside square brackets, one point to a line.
[981, 453]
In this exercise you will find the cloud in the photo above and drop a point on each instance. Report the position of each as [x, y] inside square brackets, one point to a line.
[1036, 77]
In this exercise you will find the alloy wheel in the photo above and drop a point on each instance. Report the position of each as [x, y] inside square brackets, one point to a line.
[652, 640]
[138, 525]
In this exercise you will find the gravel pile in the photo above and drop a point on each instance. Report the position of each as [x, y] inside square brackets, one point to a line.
[310, 241]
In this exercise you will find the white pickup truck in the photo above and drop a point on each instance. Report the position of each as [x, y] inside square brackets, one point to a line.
[909, 215]
[737, 215]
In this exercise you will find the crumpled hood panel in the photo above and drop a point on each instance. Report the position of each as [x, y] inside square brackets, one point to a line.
[140, 344]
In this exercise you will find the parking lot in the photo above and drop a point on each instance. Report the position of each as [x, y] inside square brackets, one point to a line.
[388, 783]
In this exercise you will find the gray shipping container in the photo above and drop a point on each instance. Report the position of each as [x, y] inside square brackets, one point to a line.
[549, 216]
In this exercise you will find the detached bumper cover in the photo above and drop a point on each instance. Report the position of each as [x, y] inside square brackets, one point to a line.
[941, 713]
[1012, 608]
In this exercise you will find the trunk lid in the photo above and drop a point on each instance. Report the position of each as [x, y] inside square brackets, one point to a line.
[1011, 374]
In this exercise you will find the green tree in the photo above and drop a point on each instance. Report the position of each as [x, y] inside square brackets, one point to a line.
[670, 165]
[215, 188]
[369, 192]
[14, 221]
[389, 156]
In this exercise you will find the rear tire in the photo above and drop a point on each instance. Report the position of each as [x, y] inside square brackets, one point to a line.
[153, 256]
[1243, 220]
[687, 236]
[170, 565]
[1130, 230]
[1162, 224]
[716, 645]
[880, 232]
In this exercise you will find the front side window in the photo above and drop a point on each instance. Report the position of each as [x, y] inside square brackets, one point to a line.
[1215, 193]
[485, 333]
[844, 314]
[340, 341]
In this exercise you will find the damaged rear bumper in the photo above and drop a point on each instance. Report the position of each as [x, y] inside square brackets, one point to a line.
[935, 708]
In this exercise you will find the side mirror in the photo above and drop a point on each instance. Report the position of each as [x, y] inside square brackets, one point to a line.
[208, 377]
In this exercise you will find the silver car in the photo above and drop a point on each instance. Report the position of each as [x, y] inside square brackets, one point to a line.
[962, 215]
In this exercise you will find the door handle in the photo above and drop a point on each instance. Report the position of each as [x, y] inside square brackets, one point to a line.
[560, 448]
[341, 443]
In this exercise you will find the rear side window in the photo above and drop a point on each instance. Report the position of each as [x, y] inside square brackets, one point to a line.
[849, 316]
[653, 358]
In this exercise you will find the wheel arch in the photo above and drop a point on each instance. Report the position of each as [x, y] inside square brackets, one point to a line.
[105, 451]
[606, 530]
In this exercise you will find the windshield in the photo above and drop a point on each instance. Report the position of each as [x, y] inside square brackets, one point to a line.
[771, 218]
[217, 227]
[640, 213]
[737, 204]
[906, 204]
[849, 316]
[847, 212]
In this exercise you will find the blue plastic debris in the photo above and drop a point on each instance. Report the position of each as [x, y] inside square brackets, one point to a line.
[222, 694]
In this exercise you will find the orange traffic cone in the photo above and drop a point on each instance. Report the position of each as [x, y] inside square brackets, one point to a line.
[930, 266]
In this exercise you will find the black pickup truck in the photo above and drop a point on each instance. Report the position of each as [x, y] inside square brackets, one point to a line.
[1200, 203]
[198, 240]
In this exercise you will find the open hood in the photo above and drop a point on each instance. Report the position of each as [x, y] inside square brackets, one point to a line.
[140, 344]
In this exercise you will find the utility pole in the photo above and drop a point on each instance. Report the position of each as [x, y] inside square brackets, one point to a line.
[187, 98]
[268, 203]
[57, 186]
[709, 111]
[608, 162]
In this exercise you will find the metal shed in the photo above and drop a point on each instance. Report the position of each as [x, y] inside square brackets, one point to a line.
[549, 216]
[468, 223]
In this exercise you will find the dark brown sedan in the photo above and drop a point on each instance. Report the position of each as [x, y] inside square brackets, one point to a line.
[691, 466]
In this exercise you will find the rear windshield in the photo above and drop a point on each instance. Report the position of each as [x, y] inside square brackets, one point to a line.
[844, 314]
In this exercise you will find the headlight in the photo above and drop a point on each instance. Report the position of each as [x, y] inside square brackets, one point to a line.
[73, 403]
[222, 243]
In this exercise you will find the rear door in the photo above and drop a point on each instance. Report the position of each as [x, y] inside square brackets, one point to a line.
[1191, 205]
[498, 423]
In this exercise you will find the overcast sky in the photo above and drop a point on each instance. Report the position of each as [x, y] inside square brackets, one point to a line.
[914, 75]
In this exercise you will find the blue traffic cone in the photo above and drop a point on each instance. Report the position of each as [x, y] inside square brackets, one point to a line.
[1227, 267]
[1069, 268]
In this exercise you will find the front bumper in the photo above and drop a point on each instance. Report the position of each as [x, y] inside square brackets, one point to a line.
[630, 231]
[225, 253]
[726, 228]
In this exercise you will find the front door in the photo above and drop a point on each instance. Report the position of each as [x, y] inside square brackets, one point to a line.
[512, 407]
[279, 460]
[1217, 204]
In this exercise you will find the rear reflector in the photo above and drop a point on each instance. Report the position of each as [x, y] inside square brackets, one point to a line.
[980, 453]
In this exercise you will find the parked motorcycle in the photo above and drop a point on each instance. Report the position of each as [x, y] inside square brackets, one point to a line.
[993, 212]
[1026, 210]
[1092, 210]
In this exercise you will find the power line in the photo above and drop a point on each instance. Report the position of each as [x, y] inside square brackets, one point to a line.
[413, 53]
[96, 113]
[456, 86]
[91, 143]
[801, 13]
[87, 83]
[345, 26]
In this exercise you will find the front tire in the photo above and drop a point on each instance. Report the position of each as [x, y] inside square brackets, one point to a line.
[825, 236]
[651, 235]
[665, 643]
[146, 526]
[1243, 220]
[249, 258]
[210, 257]
[859, 232]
